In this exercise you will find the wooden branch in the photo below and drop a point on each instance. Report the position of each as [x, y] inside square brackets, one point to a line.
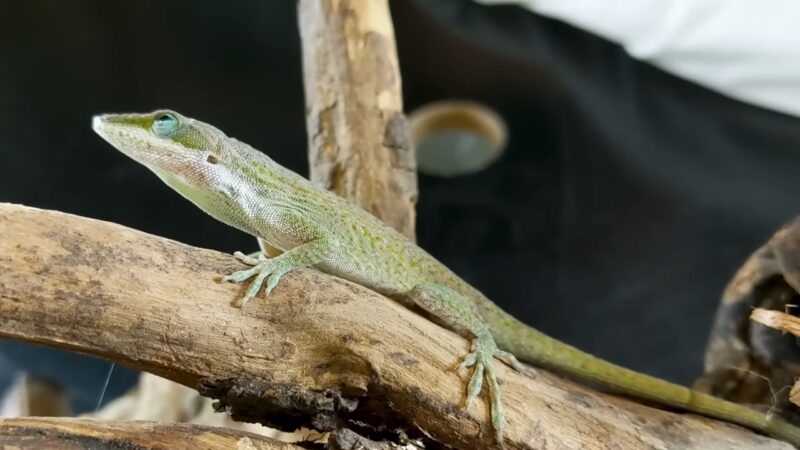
[85, 434]
[319, 352]
[359, 143]
[777, 319]
[741, 354]
[786, 323]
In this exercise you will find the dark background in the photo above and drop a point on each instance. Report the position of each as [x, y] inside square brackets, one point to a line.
[626, 198]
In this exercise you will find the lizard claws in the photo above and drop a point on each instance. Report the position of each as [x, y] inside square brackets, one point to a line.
[250, 259]
[263, 269]
[481, 358]
[512, 361]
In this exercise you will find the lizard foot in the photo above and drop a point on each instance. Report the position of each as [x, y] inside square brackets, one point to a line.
[459, 314]
[263, 269]
[481, 358]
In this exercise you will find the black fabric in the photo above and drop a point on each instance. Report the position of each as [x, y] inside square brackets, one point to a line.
[649, 190]
[624, 201]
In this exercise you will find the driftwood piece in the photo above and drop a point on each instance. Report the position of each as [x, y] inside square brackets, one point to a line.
[85, 434]
[319, 352]
[777, 320]
[745, 361]
[786, 323]
[359, 143]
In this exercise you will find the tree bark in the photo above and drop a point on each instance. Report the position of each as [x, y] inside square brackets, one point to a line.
[359, 143]
[84, 434]
[319, 352]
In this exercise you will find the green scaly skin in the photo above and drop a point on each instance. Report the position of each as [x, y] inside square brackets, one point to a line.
[245, 189]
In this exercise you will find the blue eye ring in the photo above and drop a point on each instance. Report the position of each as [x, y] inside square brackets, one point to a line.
[164, 125]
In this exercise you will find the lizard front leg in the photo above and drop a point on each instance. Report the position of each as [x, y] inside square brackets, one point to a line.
[457, 313]
[316, 247]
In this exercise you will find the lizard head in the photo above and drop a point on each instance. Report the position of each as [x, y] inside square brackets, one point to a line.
[185, 153]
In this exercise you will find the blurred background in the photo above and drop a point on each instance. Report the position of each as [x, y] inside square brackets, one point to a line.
[629, 191]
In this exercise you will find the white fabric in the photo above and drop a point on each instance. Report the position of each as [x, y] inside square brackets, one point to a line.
[747, 49]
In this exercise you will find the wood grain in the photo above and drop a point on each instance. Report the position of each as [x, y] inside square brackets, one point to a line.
[84, 434]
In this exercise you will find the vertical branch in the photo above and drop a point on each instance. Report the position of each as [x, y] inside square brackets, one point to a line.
[359, 144]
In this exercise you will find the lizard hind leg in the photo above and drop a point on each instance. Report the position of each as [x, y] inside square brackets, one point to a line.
[457, 313]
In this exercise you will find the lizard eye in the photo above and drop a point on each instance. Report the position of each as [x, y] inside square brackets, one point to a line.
[165, 125]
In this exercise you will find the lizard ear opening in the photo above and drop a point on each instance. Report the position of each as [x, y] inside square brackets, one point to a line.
[211, 159]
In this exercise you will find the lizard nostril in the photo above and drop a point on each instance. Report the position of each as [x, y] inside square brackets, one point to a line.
[212, 159]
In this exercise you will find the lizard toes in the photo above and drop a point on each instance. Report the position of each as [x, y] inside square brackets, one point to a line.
[512, 361]
[475, 385]
[251, 260]
[240, 275]
[468, 361]
[263, 269]
[273, 280]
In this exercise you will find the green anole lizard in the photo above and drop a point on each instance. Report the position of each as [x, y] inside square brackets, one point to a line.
[245, 189]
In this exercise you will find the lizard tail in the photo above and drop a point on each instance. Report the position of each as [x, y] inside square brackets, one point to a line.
[539, 349]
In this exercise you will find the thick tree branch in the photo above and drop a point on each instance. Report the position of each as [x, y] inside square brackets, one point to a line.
[319, 352]
[84, 434]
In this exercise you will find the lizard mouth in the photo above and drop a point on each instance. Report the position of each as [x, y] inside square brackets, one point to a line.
[123, 137]
[141, 145]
